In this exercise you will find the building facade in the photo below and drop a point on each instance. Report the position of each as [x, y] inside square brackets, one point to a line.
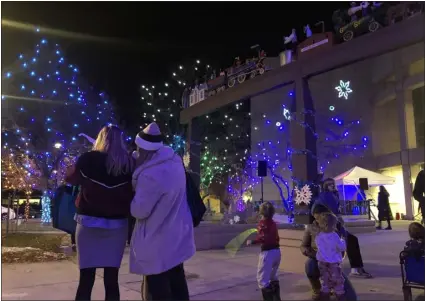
[378, 123]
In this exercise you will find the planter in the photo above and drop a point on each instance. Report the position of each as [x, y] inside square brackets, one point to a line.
[302, 219]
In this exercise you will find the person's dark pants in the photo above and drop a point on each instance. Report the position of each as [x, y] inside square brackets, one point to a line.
[169, 285]
[110, 280]
[353, 251]
[384, 215]
[313, 274]
[73, 239]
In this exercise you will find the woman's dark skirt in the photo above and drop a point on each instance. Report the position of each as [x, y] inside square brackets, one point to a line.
[99, 248]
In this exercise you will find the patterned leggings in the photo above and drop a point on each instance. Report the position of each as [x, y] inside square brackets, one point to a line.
[331, 278]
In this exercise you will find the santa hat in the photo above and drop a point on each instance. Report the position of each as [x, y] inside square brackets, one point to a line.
[150, 138]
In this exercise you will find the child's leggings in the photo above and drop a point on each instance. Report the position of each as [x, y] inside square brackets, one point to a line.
[331, 278]
[268, 266]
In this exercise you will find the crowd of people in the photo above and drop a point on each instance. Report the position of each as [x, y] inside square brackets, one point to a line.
[150, 184]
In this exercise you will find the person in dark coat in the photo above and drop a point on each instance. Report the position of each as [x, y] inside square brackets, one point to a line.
[419, 192]
[384, 208]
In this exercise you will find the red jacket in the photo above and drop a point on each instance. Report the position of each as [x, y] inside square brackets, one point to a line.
[101, 194]
[267, 235]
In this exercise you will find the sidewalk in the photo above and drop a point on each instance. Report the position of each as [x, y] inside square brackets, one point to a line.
[215, 275]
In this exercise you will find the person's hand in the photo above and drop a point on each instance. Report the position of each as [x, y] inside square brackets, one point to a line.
[249, 242]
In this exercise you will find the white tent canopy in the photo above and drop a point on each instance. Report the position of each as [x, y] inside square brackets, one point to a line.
[352, 176]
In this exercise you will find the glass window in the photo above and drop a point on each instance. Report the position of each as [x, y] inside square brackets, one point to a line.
[418, 98]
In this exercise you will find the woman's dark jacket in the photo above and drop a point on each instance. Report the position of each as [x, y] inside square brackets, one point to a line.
[101, 194]
[383, 201]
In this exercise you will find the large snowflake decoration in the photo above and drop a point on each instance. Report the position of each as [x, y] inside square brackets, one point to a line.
[303, 196]
[343, 89]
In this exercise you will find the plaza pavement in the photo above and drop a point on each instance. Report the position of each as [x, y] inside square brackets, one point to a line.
[216, 275]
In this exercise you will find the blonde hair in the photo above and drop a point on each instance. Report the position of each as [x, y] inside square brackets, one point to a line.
[327, 222]
[109, 140]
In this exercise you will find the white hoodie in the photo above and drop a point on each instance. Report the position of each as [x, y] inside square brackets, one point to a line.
[163, 235]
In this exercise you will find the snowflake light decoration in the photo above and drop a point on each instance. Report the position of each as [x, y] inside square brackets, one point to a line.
[343, 89]
[303, 196]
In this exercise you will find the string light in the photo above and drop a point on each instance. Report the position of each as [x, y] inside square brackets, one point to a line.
[44, 117]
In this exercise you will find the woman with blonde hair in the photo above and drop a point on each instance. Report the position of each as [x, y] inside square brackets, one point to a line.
[103, 207]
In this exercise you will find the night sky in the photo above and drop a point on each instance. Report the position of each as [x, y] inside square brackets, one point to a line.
[146, 40]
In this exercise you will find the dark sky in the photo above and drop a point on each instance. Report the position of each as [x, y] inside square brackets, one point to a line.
[155, 36]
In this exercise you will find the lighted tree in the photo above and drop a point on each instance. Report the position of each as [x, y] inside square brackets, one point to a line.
[45, 107]
[16, 175]
[212, 169]
[224, 133]
[336, 139]
[240, 186]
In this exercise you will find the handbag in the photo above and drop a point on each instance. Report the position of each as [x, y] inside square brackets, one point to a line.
[194, 200]
[64, 209]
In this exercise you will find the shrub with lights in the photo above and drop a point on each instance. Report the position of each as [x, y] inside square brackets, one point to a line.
[46, 106]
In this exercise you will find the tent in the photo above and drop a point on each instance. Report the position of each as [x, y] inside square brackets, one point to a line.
[352, 176]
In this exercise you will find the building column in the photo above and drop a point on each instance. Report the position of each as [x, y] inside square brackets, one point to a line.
[193, 147]
[400, 75]
[302, 134]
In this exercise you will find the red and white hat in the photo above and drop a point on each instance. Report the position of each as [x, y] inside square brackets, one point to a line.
[150, 138]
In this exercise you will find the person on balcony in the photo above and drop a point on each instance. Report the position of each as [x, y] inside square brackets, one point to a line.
[329, 198]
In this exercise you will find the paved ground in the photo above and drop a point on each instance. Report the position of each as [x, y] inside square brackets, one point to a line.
[215, 275]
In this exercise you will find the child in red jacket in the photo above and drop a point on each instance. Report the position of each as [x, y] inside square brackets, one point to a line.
[269, 259]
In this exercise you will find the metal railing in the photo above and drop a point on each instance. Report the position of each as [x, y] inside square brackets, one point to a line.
[355, 207]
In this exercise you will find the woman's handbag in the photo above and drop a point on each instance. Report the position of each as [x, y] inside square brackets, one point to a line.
[64, 209]
[194, 200]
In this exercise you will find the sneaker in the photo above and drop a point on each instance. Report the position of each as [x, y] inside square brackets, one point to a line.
[388, 228]
[360, 273]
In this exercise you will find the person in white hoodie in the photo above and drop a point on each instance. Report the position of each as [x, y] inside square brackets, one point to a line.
[163, 237]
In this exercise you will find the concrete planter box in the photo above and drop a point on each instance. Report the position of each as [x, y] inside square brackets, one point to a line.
[209, 236]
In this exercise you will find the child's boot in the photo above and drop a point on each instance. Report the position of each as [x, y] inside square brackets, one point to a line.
[267, 293]
[276, 290]
[340, 297]
[315, 286]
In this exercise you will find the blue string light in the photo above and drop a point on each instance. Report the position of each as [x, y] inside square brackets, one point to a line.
[38, 127]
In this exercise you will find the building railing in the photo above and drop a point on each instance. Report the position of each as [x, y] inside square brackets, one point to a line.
[355, 207]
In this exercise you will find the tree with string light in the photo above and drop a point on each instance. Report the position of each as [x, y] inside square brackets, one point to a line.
[45, 107]
[224, 133]
[15, 175]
